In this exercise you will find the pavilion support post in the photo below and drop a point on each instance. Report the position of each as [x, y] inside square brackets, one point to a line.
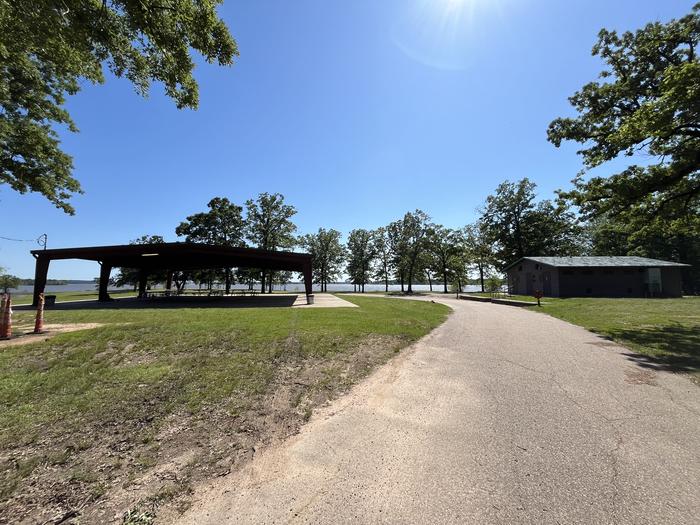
[308, 284]
[105, 271]
[143, 282]
[169, 282]
[41, 273]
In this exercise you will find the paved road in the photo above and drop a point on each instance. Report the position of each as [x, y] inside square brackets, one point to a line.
[501, 415]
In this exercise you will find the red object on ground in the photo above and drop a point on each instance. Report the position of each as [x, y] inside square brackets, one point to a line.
[39, 323]
[6, 327]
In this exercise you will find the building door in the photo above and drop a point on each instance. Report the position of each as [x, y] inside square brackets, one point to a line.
[529, 278]
[547, 284]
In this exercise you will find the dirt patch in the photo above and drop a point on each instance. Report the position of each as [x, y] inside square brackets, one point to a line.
[637, 376]
[129, 473]
[23, 334]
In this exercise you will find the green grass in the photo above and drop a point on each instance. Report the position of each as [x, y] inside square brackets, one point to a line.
[142, 365]
[666, 331]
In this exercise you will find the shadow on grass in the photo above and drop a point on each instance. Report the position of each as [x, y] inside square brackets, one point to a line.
[673, 347]
[267, 301]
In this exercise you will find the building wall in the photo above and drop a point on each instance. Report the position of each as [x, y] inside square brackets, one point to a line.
[529, 276]
[672, 279]
[616, 282]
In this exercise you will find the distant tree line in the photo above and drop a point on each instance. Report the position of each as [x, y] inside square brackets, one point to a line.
[512, 223]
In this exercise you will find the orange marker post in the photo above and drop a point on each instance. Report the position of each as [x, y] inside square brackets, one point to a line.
[2, 313]
[39, 323]
[6, 329]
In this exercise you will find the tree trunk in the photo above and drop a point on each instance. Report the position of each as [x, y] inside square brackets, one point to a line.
[228, 281]
[262, 282]
[481, 277]
[430, 281]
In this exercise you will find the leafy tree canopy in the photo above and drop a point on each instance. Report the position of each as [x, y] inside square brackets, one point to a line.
[517, 226]
[647, 101]
[327, 252]
[268, 222]
[47, 48]
[222, 224]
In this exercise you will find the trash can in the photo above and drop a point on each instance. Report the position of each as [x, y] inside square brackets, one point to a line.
[49, 300]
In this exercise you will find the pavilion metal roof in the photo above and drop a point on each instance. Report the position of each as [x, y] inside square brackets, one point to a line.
[180, 256]
[616, 261]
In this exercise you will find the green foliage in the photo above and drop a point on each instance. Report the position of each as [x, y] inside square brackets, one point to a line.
[328, 255]
[268, 222]
[647, 102]
[383, 268]
[48, 48]
[443, 247]
[8, 281]
[222, 225]
[635, 233]
[361, 251]
[517, 226]
[480, 251]
[407, 240]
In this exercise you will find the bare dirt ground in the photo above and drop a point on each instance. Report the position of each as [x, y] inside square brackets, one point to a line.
[24, 334]
[163, 466]
[500, 415]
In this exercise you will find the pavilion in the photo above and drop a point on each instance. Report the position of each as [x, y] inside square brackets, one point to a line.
[171, 256]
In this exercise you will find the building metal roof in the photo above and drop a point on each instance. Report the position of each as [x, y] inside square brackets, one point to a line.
[600, 262]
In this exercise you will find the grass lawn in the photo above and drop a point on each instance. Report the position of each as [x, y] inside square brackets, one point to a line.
[665, 330]
[92, 421]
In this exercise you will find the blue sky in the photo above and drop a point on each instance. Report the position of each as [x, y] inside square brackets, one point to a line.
[355, 111]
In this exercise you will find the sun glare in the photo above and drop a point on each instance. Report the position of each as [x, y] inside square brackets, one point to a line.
[444, 33]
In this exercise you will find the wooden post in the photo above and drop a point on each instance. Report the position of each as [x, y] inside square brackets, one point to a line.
[105, 271]
[308, 283]
[41, 272]
[143, 281]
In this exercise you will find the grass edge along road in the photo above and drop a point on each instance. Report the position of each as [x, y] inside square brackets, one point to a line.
[666, 331]
[129, 415]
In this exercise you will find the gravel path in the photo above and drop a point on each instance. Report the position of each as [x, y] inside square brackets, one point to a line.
[501, 415]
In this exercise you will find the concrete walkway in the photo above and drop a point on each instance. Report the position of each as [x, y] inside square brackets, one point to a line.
[501, 415]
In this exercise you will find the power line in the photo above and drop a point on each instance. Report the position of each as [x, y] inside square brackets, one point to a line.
[41, 240]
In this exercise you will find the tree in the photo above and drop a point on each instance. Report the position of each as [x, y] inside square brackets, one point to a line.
[442, 245]
[518, 227]
[634, 233]
[269, 225]
[648, 102]
[361, 254]
[382, 249]
[407, 241]
[49, 48]
[7, 281]
[328, 255]
[479, 250]
[222, 225]
[130, 276]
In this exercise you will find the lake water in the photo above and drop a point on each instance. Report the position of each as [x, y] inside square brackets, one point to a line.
[290, 287]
